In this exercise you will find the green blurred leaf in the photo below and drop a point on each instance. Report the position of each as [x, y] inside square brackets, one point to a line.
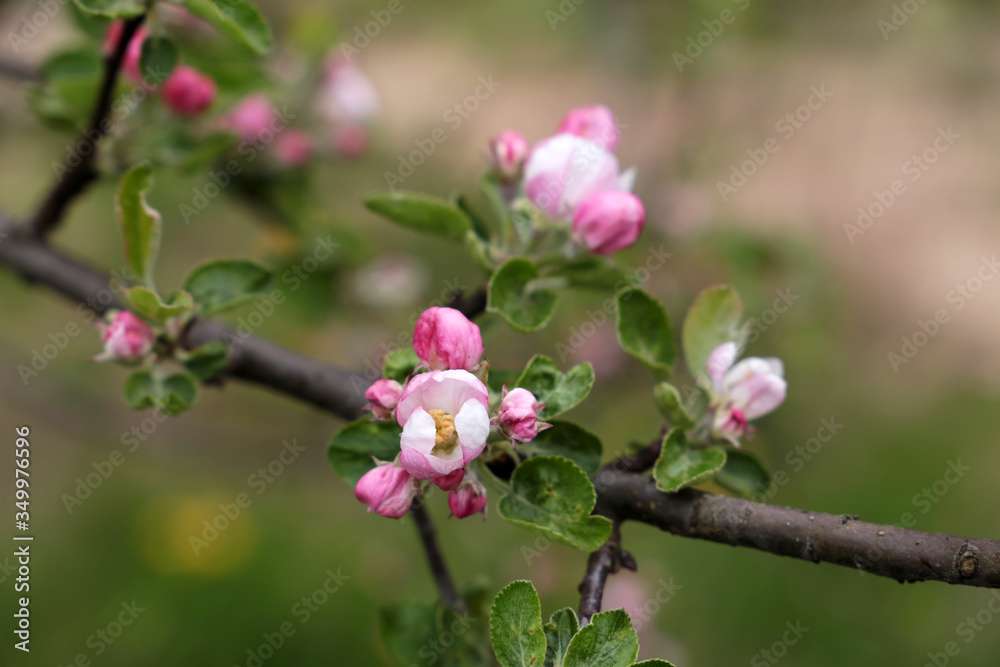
[516, 626]
[513, 297]
[139, 390]
[572, 441]
[113, 9]
[159, 58]
[351, 449]
[422, 213]
[559, 632]
[149, 304]
[236, 19]
[713, 319]
[591, 272]
[65, 95]
[560, 392]
[671, 406]
[608, 641]
[173, 394]
[645, 332]
[679, 466]
[655, 662]
[140, 224]
[208, 360]
[399, 364]
[221, 284]
[553, 496]
[414, 631]
[744, 474]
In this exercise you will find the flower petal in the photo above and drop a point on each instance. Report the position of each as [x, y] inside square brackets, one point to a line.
[719, 363]
[472, 423]
[758, 395]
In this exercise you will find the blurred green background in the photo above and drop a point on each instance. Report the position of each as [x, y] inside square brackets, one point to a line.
[684, 130]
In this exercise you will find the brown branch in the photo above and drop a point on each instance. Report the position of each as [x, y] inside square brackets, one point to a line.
[600, 565]
[18, 71]
[75, 180]
[435, 558]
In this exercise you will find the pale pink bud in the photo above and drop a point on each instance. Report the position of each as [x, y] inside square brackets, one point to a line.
[508, 151]
[607, 222]
[468, 499]
[251, 116]
[188, 92]
[387, 489]
[450, 481]
[742, 391]
[383, 396]
[519, 415]
[293, 148]
[444, 338]
[126, 338]
[346, 93]
[130, 61]
[595, 123]
[350, 140]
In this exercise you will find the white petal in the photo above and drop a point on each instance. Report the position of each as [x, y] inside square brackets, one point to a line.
[758, 395]
[719, 363]
[626, 180]
[473, 426]
[420, 432]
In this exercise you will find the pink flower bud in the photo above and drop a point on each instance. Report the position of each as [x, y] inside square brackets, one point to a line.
[126, 338]
[444, 338]
[595, 123]
[607, 222]
[468, 499]
[519, 415]
[188, 92]
[130, 61]
[293, 148]
[383, 396]
[508, 150]
[387, 489]
[250, 117]
[450, 481]
[346, 93]
[742, 391]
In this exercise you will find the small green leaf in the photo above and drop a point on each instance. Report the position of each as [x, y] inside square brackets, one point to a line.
[713, 319]
[645, 332]
[399, 364]
[560, 392]
[208, 360]
[69, 81]
[655, 662]
[679, 466]
[514, 298]
[149, 304]
[222, 284]
[139, 389]
[671, 406]
[559, 632]
[236, 19]
[410, 630]
[352, 448]
[140, 224]
[159, 58]
[608, 641]
[114, 9]
[743, 474]
[572, 441]
[553, 496]
[516, 626]
[421, 213]
[591, 272]
[173, 394]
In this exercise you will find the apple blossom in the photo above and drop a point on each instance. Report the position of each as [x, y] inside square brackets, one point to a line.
[126, 338]
[606, 222]
[444, 338]
[445, 420]
[387, 489]
[383, 396]
[742, 392]
[450, 481]
[293, 148]
[468, 499]
[595, 122]
[188, 92]
[508, 150]
[251, 116]
[346, 93]
[518, 417]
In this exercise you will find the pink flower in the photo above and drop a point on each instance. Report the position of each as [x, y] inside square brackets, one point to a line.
[251, 116]
[508, 151]
[468, 499]
[595, 123]
[345, 93]
[383, 396]
[387, 489]
[444, 338]
[188, 92]
[126, 338]
[133, 52]
[519, 415]
[445, 422]
[742, 392]
[450, 481]
[606, 222]
[565, 169]
[293, 148]
[350, 140]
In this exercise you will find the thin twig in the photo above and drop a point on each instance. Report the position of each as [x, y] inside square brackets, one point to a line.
[18, 71]
[601, 564]
[435, 558]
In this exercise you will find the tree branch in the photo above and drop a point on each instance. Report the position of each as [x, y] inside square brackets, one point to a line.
[18, 71]
[75, 179]
[435, 558]
[600, 565]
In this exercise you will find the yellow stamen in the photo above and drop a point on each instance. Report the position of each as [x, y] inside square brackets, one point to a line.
[445, 439]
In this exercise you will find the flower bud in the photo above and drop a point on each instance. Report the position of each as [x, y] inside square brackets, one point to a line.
[293, 148]
[450, 481]
[382, 397]
[508, 151]
[250, 117]
[126, 338]
[444, 338]
[742, 391]
[468, 499]
[519, 415]
[607, 222]
[346, 93]
[188, 92]
[350, 140]
[387, 489]
[595, 123]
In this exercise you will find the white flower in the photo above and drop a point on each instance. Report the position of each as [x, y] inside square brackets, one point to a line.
[742, 392]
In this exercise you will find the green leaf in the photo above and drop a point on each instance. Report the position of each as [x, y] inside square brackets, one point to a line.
[591, 272]
[572, 441]
[655, 662]
[422, 213]
[208, 360]
[479, 227]
[671, 406]
[743, 474]
[516, 626]
[352, 448]
[679, 466]
[514, 298]
[399, 364]
[608, 641]
[553, 496]
[139, 389]
[713, 319]
[140, 224]
[149, 304]
[114, 9]
[560, 392]
[159, 58]
[222, 284]
[411, 632]
[69, 81]
[173, 394]
[559, 632]
[645, 332]
[236, 19]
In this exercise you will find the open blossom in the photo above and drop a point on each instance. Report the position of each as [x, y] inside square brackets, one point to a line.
[188, 92]
[445, 420]
[606, 222]
[346, 94]
[508, 151]
[444, 338]
[468, 499]
[595, 123]
[742, 392]
[383, 396]
[126, 338]
[387, 489]
[519, 415]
